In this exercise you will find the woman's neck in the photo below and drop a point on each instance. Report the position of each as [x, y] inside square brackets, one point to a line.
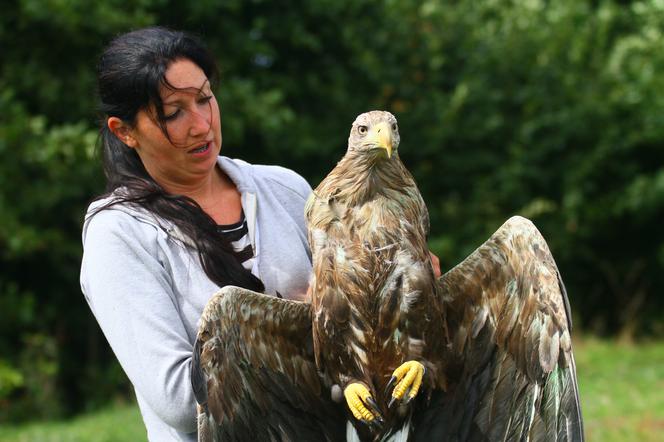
[216, 194]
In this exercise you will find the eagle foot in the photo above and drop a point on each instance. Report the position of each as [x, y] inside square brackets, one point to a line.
[362, 404]
[408, 378]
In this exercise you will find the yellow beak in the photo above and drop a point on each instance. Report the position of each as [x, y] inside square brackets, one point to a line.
[381, 134]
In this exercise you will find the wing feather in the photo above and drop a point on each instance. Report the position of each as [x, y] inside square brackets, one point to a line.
[254, 374]
[512, 371]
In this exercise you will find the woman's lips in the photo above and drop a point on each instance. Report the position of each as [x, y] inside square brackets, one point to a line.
[200, 150]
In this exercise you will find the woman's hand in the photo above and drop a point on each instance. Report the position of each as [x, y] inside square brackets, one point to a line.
[302, 297]
[435, 262]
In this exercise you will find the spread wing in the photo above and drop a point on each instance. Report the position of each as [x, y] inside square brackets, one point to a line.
[512, 374]
[254, 374]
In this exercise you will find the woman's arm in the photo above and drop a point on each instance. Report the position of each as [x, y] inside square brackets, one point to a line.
[130, 294]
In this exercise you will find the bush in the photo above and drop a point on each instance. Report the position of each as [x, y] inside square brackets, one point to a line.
[550, 110]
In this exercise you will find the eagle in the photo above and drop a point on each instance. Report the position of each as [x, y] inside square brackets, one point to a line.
[384, 350]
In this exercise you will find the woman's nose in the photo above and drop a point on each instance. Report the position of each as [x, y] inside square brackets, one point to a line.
[199, 123]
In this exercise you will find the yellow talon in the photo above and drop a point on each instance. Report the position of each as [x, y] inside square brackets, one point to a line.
[358, 398]
[409, 376]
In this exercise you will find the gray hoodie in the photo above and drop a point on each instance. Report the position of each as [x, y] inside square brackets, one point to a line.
[147, 289]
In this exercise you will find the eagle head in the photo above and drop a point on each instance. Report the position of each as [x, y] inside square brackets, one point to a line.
[375, 133]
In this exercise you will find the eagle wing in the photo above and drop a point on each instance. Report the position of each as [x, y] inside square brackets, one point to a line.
[254, 374]
[511, 372]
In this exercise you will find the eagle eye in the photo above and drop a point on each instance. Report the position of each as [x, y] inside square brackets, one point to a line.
[362, 130]
[394, 127]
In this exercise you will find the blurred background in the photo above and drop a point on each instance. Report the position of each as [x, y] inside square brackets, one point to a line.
[550, 110]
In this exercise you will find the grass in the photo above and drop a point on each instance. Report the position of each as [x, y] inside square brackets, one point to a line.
[115, 424]
[621, 389]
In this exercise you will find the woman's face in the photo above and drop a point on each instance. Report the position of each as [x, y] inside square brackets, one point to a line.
[192, 121]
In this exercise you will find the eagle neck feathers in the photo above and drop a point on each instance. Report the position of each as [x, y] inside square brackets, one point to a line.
[371, 178]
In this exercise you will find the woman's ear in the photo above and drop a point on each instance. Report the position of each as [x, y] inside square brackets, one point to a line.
[121, 130]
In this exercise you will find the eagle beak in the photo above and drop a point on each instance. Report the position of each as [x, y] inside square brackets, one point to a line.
[381, 134]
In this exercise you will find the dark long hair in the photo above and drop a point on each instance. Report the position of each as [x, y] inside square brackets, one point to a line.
[130, 73]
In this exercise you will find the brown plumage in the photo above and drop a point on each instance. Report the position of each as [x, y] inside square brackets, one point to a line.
[374, 293]
[492, 333]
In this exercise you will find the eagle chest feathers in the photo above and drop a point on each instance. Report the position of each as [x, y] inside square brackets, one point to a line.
[374, 300]
[370, 282]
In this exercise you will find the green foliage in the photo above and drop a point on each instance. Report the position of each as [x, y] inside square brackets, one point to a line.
[10, 379]
[551, 110]
[38, 365]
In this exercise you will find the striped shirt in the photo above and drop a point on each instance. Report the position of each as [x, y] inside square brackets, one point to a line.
[237, 234]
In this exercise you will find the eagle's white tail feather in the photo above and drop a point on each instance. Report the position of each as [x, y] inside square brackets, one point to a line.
[401, 435]
[351, 433]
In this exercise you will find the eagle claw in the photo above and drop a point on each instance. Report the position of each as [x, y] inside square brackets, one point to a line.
[376, 423]
[390, 384]
[362, 405]
[408, 377]
[372, 403]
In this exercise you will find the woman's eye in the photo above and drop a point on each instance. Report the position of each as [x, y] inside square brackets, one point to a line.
[362, 130]
[172, 115]
[204, 99]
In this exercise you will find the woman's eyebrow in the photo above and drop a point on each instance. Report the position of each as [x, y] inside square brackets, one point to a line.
[175, 91]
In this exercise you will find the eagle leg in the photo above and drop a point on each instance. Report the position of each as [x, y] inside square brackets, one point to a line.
[408, 377]
[362, 404]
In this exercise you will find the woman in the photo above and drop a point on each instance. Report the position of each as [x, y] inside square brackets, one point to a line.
[178, 221]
